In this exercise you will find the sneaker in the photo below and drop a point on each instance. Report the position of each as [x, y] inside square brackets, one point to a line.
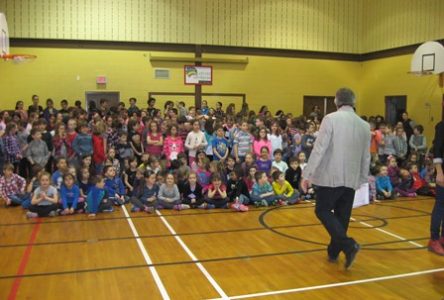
[441, 241]
[436, 247]
[211, 206]
[108, 209]
[31, 215]
[282, 203]
[135, 209]
[52, 213]
[243, 208]
[202, 206]
[257, 203]
[181, 206]
[411, 195]
[118, 202]
[149, 209]
[235, 206]
[264, 203]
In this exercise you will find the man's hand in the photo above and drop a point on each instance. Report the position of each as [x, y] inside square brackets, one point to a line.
[440, 179]
[305, 184]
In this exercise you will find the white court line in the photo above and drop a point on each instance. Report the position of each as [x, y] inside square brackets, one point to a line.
[194, 258]
[148, 260]
[388, 233]
[331, 285]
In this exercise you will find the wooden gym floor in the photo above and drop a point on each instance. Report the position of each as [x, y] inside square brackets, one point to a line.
[275, 253]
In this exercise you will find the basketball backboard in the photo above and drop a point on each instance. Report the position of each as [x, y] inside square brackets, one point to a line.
[428, 59]
[4, 35]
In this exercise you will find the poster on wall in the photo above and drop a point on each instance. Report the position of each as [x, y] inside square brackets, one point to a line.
[198, 75]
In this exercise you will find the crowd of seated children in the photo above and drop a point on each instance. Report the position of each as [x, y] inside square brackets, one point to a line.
[179, 158]
[403, 167]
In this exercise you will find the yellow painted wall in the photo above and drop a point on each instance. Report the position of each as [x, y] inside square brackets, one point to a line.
[321, 25]
[388, 76]
[279, 83]
[396, 23]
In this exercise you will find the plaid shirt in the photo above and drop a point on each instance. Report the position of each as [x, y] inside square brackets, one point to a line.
[12, 148]
[12, 186]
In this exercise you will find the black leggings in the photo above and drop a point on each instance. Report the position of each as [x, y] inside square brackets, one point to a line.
[43, 210]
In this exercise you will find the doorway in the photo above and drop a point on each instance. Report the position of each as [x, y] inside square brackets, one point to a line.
[326, 105]
[113, 98]
[394, 107]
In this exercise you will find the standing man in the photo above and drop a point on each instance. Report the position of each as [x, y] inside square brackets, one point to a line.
[436, 243]
[338, 165]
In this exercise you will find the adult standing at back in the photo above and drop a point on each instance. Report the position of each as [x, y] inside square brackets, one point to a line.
[408, 125]
[338, 165]
[436, 243]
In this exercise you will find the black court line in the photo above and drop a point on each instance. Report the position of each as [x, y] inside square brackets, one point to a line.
[271, 229]
[204, 213]
[210, 260]
[96, 240]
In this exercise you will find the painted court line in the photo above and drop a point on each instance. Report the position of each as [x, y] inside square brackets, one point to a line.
[24, 261]
[389, 233]
[193, 257]
[147, 258]
[332, 285]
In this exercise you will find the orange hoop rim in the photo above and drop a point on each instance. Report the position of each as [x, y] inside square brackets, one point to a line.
[18, 57]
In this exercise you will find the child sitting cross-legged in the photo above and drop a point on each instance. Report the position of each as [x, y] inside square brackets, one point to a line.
[216, 196]
[237, 191]
[191, 191]
[404, 188]
[284, 189]
[45, 198]
[145, 197]
[70, 194]
[169, 196]
[420, 186]
[114, 186]
[12, 187]
[263, 194]
[97, 200]
[384, 188]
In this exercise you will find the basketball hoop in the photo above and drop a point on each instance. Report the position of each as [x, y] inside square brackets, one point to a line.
[18, 58]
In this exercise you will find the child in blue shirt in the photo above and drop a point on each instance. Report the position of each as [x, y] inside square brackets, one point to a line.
[384, 188]
[57, 176]
[145, 197]
[263, 194]
[69, 194]
[82, 144]
[114, 186]
[97, 200]
[220, 145]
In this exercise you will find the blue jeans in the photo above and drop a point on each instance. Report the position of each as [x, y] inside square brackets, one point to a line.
[293, 199]
[244, 199]
[20, 199]
[269, 199]
[437, 219]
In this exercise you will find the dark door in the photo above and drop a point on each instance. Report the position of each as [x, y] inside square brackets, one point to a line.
[394, 107]
[326, 105]
[113, 98]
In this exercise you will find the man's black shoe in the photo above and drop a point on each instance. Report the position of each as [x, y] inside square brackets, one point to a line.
[332, 259]
[351, 255]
